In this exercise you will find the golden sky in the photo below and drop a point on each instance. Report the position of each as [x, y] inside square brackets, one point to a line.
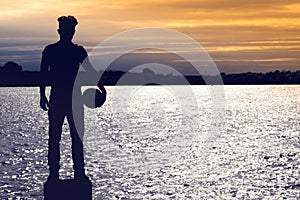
[256, 35]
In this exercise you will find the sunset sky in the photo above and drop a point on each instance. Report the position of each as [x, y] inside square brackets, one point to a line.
[241, 36]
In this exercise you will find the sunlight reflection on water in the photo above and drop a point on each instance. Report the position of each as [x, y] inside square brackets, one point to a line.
[136, 152]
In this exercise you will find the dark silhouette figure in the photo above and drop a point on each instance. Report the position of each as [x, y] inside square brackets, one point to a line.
[60, 64]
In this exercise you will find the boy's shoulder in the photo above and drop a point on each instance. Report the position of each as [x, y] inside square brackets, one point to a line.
[50, 47]
[57, 47]
[79, 47]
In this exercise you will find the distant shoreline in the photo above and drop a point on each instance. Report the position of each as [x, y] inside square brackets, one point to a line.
[35, 79]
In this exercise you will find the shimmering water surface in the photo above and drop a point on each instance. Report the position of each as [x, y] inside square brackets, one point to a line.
[147, 146]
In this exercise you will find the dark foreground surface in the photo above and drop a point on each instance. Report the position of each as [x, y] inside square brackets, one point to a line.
[67, 189]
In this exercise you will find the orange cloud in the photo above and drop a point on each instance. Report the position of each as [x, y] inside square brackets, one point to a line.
[227, 28]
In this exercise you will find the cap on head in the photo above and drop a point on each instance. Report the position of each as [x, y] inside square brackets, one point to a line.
[67, 22]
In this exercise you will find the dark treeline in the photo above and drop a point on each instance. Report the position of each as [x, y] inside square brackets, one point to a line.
[11, 74]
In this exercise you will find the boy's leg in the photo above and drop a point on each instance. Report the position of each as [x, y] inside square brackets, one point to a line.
[76, 123]
[56, 119]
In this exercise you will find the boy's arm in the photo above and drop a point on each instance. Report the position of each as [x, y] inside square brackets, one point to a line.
[90, 70]
[86, 64]
[44, 69]
[92, 73]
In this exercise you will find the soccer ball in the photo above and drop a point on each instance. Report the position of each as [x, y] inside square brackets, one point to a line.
[93, 98]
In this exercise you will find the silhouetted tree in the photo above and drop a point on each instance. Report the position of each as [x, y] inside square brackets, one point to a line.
[11, 67]
[148, 71]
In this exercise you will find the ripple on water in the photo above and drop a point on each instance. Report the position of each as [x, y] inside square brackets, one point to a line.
[136, 153]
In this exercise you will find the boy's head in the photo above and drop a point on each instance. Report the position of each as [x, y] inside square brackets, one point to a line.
[66, 26]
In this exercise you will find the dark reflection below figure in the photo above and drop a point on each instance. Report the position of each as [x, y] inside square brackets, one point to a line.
[60, 62]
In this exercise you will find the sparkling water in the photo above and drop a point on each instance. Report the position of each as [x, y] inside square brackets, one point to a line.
[148, 146]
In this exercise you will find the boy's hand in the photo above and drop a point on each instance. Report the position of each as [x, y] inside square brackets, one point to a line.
[103, 91]
[101, 87]
[44, 104]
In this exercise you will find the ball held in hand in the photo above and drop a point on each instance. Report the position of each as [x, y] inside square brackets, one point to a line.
[93, 98]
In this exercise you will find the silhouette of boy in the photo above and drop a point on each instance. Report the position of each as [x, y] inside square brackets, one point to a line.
[60, 62]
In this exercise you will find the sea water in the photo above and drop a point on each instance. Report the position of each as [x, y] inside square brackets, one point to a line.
[159, 142]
